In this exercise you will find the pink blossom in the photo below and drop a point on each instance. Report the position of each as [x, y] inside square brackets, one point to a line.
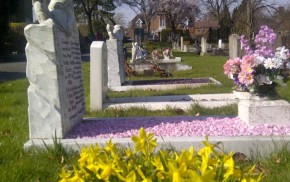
[232, 66]
[246, 78]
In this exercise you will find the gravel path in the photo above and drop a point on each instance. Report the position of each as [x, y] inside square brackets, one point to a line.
[173, 126]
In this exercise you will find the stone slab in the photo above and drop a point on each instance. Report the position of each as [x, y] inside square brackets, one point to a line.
[255, 112]
[249, 145]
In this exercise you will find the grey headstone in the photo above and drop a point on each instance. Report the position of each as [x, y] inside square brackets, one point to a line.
[234, 46]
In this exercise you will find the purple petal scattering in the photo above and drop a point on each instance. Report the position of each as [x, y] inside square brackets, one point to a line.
[173, 127]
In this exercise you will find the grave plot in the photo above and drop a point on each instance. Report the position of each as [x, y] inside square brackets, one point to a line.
[101, 71]
[56, 99]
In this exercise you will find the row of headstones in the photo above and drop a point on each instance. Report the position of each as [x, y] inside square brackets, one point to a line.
[235, 49]
[54, 70]
[204, 45]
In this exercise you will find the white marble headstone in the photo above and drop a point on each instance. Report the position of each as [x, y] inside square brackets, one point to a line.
[203, 46]
[98, 75]
[234, 46]
[116, 59]
[55, 94]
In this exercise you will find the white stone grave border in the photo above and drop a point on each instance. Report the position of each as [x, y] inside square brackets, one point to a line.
[249, 145]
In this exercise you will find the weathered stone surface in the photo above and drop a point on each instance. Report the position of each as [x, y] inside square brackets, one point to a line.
[98, 75]
[116, 62]
[234, 46]
[55, 94]
[255, 112]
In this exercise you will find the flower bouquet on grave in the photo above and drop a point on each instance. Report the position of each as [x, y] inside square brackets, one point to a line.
[262, 68]
[167, 53]
[156, 56]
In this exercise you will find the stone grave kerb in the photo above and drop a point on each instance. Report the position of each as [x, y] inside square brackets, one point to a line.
[55, 94]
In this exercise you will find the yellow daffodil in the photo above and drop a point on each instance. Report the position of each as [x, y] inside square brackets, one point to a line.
[229, 165]
[64, 175]
[144, 143]
[176, 173]
[110, 146]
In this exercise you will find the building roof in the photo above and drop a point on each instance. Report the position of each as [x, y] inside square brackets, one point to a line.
[136, 19]
[204, 24]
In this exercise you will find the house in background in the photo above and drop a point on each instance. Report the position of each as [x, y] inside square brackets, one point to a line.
[157, 24]
[201, 28]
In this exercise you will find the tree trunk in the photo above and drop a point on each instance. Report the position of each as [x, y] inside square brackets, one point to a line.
[90, 26]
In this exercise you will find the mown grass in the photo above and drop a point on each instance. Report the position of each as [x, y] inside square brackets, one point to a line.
[17, 165]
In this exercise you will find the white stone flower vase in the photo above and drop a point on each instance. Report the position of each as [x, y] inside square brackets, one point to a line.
[255, 110]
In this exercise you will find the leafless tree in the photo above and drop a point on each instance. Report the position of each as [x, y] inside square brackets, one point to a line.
[120, 18]
[146, 7]
[95, 9]
[215, 7]
[255, 7]
[176, 11]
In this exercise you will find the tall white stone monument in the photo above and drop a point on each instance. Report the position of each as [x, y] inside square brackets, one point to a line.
[98, 75]
[234, 46]
[181, 44]
[203, 46]
[116, 60]
[55, 95]
[220, 44]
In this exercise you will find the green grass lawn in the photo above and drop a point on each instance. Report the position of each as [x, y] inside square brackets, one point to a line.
[16, 165]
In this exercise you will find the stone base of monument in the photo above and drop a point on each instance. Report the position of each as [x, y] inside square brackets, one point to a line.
[255, 112]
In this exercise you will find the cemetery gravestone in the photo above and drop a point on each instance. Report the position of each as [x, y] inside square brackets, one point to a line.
[98, 75]
[116, 61]
[220, 44]
[203, 46]
[55, 95]
[136, 53]
[181, 44]
[234, 46]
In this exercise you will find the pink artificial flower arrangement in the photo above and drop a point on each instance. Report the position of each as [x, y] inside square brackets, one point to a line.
[167, 53]
[155, 55]
[260, 69]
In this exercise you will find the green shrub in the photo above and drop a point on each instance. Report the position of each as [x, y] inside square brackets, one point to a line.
[150, 46]
[165, 34]
[16, 40]
[145, 163]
